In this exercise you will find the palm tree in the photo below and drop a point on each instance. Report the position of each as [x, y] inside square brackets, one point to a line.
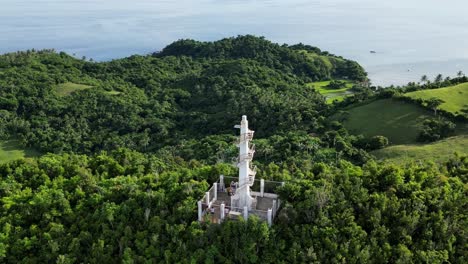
[438, 79]
[424, 78]
[460, 74]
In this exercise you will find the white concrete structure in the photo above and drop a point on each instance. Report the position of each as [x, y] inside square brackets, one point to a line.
[208, 201]
[234, 198]
[222, 211]
[242, 197]
[270, 217]
[215, 187]
[200, 211]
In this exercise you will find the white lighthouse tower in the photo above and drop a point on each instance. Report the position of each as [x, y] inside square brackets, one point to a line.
[242, 197]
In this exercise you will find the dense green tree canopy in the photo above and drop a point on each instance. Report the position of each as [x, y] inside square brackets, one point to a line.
[189, 90]
[127, 206]
[135, 142]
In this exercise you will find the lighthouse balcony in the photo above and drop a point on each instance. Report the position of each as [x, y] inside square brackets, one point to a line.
[220, 202]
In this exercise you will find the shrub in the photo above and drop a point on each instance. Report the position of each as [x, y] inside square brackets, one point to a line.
[377, 142]
[373, 143]
[335, 84]
[435, 129]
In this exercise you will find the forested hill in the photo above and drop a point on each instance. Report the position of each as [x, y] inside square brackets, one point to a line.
[56, 103]
[137, 141]
[301, 60]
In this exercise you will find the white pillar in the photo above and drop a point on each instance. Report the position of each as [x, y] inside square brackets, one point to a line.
[200, 211]
[246, 213]
[222, 211]
[269, 217]
[221, 182]
[282, 184]
[207, 195]
[262, 187]
[215, 187]
[274, 208]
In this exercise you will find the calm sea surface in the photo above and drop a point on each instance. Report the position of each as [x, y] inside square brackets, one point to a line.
[410, 37]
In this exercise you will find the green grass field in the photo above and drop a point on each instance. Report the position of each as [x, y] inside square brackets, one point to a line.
[398, 121]
[113, 92]
[331, 94]
[11, 150]
[68, 88]
[455, 97]
[439, 151]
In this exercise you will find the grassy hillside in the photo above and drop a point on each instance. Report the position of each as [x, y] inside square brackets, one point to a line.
[65, 89]
[11, 150]
[399, 121]
[438, 151]
[331, 94]
[455, 97]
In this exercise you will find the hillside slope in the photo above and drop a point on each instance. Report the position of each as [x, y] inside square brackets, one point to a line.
[439, 151]
[455, 97]
[398, 121]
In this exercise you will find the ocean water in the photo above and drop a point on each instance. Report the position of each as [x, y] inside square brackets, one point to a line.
[410, 37]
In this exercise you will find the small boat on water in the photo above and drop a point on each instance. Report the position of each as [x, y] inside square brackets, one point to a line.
[373, 51]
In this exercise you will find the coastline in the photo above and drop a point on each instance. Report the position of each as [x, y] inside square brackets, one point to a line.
[398, 74]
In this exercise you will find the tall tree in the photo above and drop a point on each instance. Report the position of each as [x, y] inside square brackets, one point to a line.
[434, 104]
[438, 79]
[424, 78]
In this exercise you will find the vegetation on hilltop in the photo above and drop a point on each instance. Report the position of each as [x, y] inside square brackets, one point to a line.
[294, 59]
[179, 95]
[129, 207]
[137, 147]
